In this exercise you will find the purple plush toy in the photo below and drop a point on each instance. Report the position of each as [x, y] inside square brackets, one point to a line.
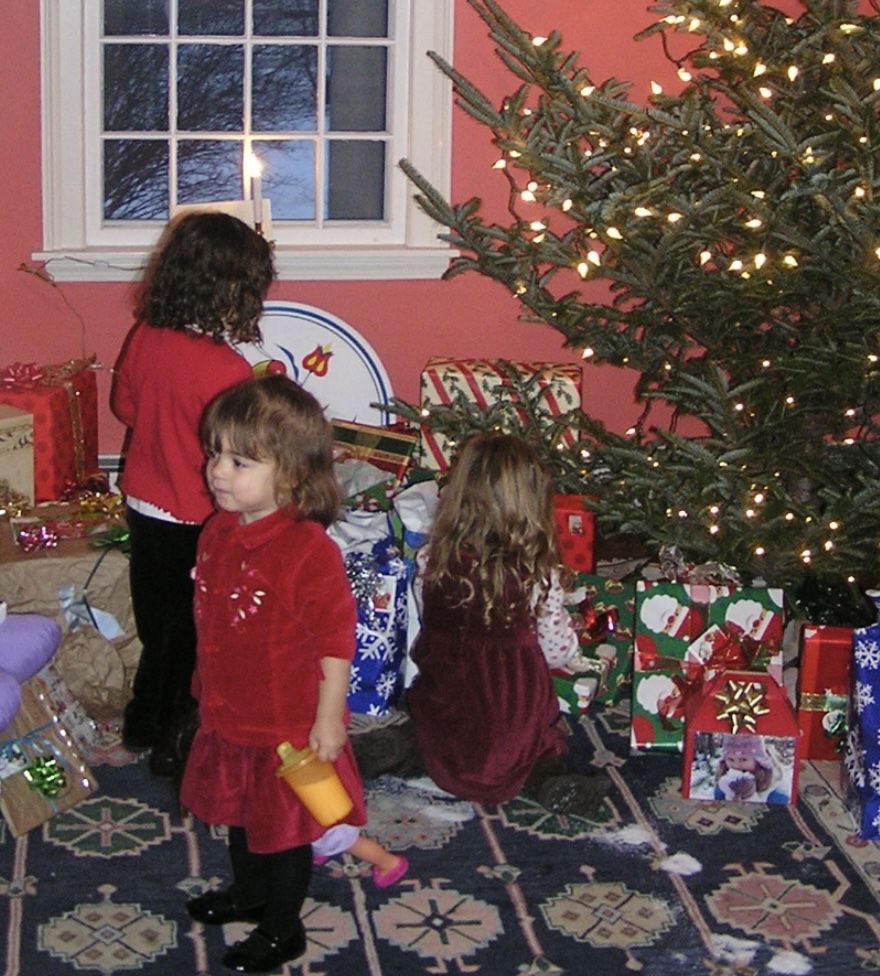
[27, 642]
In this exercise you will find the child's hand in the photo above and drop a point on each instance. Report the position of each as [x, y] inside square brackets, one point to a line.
[737, 786]
[327, 739]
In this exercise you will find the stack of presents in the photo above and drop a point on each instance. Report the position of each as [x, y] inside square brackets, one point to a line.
[708, 670]
[48, 451]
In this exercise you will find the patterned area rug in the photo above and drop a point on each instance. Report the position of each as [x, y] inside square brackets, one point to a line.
[655, 885]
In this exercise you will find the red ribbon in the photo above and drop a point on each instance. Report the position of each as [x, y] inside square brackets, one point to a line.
[596, 624]
[22, 375]
[732, 650]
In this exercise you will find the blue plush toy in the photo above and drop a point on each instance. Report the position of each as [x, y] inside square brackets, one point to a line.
[27, 642]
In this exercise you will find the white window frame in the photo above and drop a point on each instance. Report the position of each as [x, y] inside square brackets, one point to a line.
[76, 247]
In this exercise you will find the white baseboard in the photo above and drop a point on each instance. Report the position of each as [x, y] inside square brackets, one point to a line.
[110, 465]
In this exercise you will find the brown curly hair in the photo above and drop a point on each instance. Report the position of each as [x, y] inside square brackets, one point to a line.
[271, 418]
[496, 507]
[209, 271]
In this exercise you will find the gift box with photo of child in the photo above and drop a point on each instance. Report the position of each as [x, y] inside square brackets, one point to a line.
[742, 742]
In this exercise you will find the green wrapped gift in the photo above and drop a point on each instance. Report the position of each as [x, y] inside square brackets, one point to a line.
[605, 613]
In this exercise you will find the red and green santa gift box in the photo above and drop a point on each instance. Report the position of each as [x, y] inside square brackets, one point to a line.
[63, 400]
[742, 741]
[686, 633]
[823, 689]
[603, 610]
[487, 382]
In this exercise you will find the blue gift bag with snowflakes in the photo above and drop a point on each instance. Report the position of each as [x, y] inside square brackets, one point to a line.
[378, 579]
[862, 751]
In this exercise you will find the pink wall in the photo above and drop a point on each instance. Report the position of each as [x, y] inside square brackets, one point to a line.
[405, 321]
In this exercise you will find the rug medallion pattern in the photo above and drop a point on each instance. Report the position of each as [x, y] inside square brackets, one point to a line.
[654, 884]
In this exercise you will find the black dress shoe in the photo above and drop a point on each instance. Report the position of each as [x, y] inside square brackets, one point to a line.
[575, 794]
[261, 953]
[138, 739]
[218, 908]
[387, 750]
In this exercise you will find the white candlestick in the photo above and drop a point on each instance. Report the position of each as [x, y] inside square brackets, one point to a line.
[257, 189]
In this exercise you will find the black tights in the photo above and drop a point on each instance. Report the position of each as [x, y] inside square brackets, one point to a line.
[162, 556]
[280, 881]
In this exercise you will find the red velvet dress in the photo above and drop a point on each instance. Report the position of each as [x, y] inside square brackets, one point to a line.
[272, 599]
[482, 704]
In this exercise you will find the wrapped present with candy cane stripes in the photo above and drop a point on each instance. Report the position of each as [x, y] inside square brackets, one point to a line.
[553, 389]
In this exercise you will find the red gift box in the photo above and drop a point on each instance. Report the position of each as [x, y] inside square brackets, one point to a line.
[63, 399]
[823, 689]
[742, 741]
[574, 532]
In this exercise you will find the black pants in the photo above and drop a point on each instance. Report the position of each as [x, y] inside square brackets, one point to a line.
[280, 881]
[162, 557]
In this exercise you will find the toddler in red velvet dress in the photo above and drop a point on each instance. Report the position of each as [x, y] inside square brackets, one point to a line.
[275, 621]
[482, 706]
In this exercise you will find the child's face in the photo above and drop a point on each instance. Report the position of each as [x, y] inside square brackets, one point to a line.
[240, 484]
[740, 761]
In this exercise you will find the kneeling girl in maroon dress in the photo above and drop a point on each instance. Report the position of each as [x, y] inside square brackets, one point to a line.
[275, 621]
[483, 708]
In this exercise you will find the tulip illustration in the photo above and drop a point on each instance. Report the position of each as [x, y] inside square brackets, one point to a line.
[318, 360]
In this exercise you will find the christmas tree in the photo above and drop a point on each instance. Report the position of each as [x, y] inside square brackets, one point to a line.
[734, 227]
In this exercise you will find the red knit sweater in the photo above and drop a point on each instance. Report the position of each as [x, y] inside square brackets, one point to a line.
[162, 381]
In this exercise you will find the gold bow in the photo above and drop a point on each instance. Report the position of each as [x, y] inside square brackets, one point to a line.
[741, 703]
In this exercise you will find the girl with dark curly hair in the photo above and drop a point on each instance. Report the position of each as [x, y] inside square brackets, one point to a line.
[202, 291]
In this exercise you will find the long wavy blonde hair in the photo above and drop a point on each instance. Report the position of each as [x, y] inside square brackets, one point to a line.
[493, 534]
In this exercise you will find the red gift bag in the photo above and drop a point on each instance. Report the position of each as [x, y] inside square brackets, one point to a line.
[574, 532]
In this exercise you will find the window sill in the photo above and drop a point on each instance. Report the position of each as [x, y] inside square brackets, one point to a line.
[292, 264]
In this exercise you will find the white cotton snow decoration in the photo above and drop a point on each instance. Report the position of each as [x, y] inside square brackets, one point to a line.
[737, 952]
[632, 836]
[789, 963]
[681, 863]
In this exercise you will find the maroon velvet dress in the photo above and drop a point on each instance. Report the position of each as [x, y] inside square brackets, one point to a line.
[482, 705]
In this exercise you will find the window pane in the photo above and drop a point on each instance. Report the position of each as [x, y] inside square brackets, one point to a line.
[288, 177]
[284, 88]
[296, 18]
[135, 179]
[210, 88]
[357, 18]
[135, 17]
[211, 17]
[135, 88]
[208, 169]
[355, 180]
[356, 87]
